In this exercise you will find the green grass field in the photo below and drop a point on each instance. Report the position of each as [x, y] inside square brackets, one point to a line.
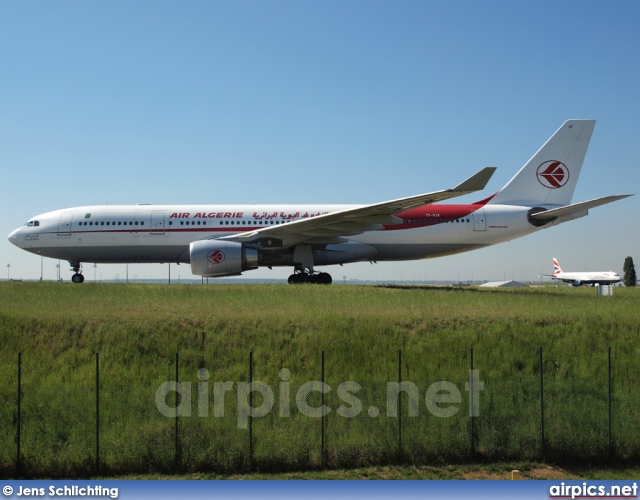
[138, 329]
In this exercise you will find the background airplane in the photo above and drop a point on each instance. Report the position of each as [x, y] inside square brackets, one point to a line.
[226, 240]
[583, 278]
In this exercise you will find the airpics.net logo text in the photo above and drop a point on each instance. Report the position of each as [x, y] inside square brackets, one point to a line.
[441, 399]
[587, 490]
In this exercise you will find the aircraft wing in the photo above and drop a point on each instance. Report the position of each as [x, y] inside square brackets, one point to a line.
[565, 280]
[577, 207]
[334, 227]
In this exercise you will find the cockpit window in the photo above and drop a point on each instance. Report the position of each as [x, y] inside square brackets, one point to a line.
[33, 223]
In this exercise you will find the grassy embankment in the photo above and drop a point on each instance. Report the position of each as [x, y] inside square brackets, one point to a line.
[137, 329]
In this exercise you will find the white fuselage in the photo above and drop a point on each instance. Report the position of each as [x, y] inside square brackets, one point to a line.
[162, 233]
[589, 278]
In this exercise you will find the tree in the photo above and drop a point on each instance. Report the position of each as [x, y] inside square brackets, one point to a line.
[629, 277]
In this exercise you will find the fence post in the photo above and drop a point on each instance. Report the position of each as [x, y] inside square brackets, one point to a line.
[176, 457]
[399, 406]
[610, 447]
[18, 429]
[541, 404]
[250, 407]
[322, 445]
[471, 417]
[97, 413]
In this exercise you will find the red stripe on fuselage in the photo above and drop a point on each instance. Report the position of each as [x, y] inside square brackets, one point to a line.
[225, 229]
[431, 215]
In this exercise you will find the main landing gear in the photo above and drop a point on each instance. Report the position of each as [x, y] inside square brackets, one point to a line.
[77, 277]
[306, 277]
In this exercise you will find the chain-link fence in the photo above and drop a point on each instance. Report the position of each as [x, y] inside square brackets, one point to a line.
[189, 419]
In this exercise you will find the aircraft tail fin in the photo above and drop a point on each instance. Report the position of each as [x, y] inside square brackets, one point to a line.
[550, 176]
[556, 267]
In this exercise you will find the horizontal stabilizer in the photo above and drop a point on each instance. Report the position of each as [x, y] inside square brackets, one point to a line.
[577, 207]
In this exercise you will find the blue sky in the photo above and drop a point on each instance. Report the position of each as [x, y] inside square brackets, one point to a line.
[317, 102]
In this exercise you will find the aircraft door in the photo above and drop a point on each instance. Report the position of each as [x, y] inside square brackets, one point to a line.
[479, 221]
[64, 226]
[157, 222]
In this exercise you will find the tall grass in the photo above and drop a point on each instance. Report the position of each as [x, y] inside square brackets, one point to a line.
[137, 329]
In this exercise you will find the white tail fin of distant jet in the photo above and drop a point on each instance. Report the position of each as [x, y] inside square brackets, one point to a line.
[550, 176]
[556, 267]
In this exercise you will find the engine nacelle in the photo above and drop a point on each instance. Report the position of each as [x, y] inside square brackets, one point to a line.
[211, 258]
[576, 283]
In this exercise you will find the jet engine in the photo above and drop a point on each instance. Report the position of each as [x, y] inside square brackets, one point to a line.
[211, 258]
[576, 283]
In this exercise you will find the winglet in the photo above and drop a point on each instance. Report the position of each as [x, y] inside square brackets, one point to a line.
[476, 182]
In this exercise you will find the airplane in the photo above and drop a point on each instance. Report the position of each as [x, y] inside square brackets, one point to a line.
[583, 278]
[226, 240]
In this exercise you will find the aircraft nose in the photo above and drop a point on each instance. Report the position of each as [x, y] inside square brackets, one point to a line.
[14, 237]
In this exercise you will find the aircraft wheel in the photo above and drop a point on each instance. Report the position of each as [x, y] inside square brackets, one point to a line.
[293, 279]
[325, 279]
[303, 278]
[77, 278]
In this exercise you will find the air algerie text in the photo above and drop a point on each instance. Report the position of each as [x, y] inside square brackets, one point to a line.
[207, 215]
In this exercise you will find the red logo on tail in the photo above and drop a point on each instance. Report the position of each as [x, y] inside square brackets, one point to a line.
[216, 257]
[553, 174]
